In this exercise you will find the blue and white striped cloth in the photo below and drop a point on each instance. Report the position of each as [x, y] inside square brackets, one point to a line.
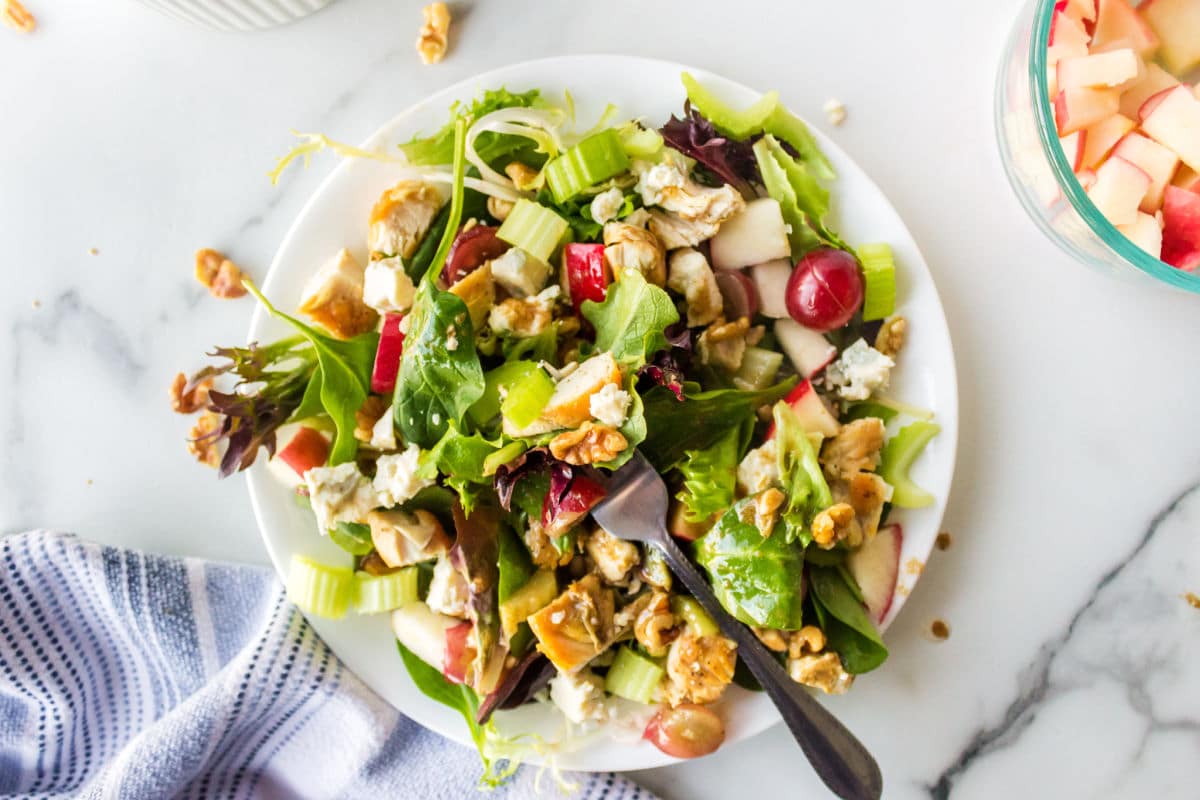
[129, 675]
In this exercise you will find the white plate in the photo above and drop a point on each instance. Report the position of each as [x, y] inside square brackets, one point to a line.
[336, 217]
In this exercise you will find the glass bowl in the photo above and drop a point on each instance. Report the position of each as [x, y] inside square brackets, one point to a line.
[1038, 168]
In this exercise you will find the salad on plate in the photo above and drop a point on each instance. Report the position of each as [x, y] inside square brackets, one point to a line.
[534, 303]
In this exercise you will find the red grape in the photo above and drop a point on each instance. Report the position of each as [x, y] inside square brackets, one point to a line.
[686, 731]
[825, 289]
[471, 248]
[739, 293]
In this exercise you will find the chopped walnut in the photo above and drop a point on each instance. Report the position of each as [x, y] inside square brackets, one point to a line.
[187, 399]
[630, 247]
[500, 209]
[824, 672]
[523, 176]
[891, 336]
[766, 510]
[435, 33]
[699, 668]
[221, 276]
[866, 493]
[856, 448]
[521, 318]
[1192, 599]
[373, 409]
[835, 524]
[723, 344]
[542, 548]
[809, 640]
[202, 440]
[774, 639]
[656, 626]
[17, 17]
[613, 558]
[592, 443]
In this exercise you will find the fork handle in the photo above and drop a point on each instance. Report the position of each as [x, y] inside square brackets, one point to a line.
[838, 758]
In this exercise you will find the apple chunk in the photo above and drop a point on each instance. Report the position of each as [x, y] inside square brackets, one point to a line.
[1118, 191]
[1187, 178]
[1102, 70]
[1102, 138]
[809, 351]
[1075, 109]
[771, 280]
[756, 235]
[1177, 24]
[811, 410]
[1153, 80]
[1073, 147]
[1116, 20]
[1079, 10]
[1172, 118]
[1181, 228]
[1146, 232]
[876, 569]
[1159, 162]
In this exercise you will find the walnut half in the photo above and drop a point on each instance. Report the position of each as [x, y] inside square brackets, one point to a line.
[17, 17]
[592, 443]
[435, 33]
[221, 276]
[189, 400]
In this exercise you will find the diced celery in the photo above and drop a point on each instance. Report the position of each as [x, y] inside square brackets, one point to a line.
[869, 408]
[898, 455]
[534, 228]
[783, 124]
[527, 396]
[536, 594]
[879, 279]
[633, 676]
[319, 589]
[487, 407]
[597, 158]
[739, 124]
[758, 370]
[641, 142]
[697, 619]
[502, 456]
[375, 594]
[353, 537]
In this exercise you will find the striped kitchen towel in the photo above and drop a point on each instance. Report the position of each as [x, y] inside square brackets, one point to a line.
[129, 675]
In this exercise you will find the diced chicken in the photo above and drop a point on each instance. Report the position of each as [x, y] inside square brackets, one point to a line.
[387, 287]
[628, 247]
[519, 273]
[667, 185]
[577, 626]
[404, 537]
[333, 298]
[606, 205]
[692, 277]
[579, 695]
[823, 671]
[674, 231]
[339, 494]
[614, 558]
[400, 219]
[477, 289]
[723, 344]
[699, 668]
[854, 449]
[448, 590]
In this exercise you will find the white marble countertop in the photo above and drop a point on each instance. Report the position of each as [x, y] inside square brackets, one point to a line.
[1071, 668]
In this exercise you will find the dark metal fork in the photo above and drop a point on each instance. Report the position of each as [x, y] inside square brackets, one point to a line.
[635, 508]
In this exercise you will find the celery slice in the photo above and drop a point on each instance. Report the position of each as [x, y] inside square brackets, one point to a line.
[633, 676]
[534, 228]
[527, 396]
[783, 124]
[897, 457]
[319, 589]
[739, 124]
[697, 619]
[879, 278]
[502, 456]
[597, 158]
[640, 142]
[375, 594]
[758, 370]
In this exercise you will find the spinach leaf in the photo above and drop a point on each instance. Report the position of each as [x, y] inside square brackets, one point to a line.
[710, 476]
[758, 579]
[462, 459]
[673, 428]
[632, 320]
[345, 368]
[457, 696]
[310, 405]
[848, 629]
[436, 385]
[800, 471]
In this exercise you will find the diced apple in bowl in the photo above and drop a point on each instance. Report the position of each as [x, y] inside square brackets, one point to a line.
[756, 235]
[1118, 191]
[1181, 228]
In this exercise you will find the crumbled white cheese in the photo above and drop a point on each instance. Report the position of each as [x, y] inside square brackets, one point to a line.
[383, 435]
[759, 470]
[835, 111]
[405, 324]
[387, 287]
[859, 371]
[519, 273]
[579, 695]
[654, 179]
[448, 590]
[396, 478]
[451, 339]
[610, 405]
[339, 494]
[691, 276]
[606, 205]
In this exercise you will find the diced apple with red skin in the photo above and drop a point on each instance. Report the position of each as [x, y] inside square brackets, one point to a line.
[1172, 118]
[423, 631]
[811, 410]
[1080, 10]
[1098, 71]
[1118, 191]
[771, 280]
[1181, 228]
[458, 654]
[876, 569]
[809, 351]
[387, 355]
[1117, 19]
[1159, 162]
[1073, 148]
[1101, 138]
[1087, 178]
[1177, 24]
[307, 449]
[1154, 80]
[1146, 232]
[756, 235]
[1188, 179]
[1067, 31]
[1075, 109]
[586, 271]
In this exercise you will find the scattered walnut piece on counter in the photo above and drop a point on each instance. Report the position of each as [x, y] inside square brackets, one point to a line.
[435, 33]
[592, 443]
[17, 17]
[222, 277]
[189, 400]
[944, 540]
[1193, 599]
[835, 111]
[891, 336]
[202, 440]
